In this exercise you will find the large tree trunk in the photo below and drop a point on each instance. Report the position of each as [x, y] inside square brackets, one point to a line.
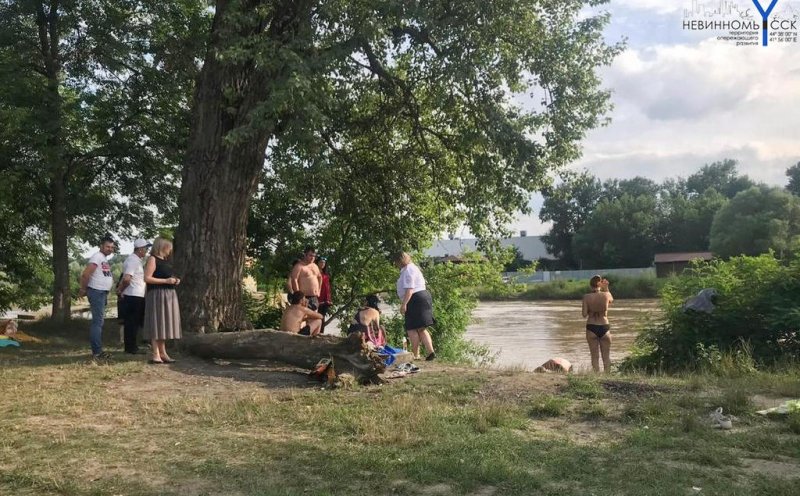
[349, 355]
[61, 309]
[220, 175]
[47, 24]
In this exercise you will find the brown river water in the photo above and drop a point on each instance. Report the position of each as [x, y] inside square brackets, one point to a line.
[528, 333]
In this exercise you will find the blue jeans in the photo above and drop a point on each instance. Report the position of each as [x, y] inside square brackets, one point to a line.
[97, 303]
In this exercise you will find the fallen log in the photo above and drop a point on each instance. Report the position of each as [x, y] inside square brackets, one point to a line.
[349, 354]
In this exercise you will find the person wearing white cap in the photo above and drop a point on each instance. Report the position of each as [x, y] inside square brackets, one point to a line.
[131, 292]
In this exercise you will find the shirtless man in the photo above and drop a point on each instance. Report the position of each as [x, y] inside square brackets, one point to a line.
[306, 278]
[298, 319]
[595, 309]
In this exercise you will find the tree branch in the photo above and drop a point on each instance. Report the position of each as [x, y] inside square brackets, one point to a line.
[421, 36]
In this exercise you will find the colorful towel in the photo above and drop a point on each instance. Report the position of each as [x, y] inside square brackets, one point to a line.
[7, 342]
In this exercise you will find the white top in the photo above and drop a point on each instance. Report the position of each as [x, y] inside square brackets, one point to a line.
[133, 267]
[410, 278]
[101, 279]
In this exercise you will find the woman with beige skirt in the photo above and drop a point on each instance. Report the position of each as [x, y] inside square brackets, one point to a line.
[162, 317]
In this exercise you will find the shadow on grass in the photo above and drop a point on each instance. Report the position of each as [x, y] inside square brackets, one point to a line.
[68, 343]
[270, 374]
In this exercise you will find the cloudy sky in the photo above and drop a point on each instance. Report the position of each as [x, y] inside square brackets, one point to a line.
[683, 99]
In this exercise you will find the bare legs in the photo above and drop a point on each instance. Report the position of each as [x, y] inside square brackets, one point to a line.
[159, 347]
[605, 351]
[417, 336]
[598, 347]
[315, 326]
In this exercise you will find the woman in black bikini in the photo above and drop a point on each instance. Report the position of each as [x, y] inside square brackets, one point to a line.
[595, 309]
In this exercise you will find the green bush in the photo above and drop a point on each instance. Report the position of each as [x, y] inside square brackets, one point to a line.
[622, 288]
[756, 320]
[261, 312]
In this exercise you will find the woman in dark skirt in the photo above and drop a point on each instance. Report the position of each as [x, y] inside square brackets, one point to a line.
[162, 318]
[415, 304]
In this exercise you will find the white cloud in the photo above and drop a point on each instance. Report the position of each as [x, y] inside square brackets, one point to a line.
[681, 106]
[660, 166]
[683, 99]
[658, 6]
[688, 82]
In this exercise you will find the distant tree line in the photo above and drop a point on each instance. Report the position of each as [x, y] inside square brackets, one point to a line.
[624, 223]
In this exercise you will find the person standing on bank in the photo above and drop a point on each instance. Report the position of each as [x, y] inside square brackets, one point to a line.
[415, 304]
[96, 282]
[162, 317]
[306, 278]
[595, 311]
[325, 297]
[131, 291]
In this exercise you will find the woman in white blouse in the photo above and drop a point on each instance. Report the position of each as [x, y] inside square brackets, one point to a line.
[415, 304]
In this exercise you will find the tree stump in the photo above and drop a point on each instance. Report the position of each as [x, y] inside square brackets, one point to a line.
[349, 354]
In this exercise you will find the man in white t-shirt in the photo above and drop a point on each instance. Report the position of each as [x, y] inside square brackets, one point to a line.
[96, 282]
[131, 292]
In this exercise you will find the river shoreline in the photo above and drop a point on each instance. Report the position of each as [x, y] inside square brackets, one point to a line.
[525, 334]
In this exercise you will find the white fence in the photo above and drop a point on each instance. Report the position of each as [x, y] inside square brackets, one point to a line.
[556, 275]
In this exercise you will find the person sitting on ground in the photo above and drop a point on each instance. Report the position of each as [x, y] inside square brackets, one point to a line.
[298, 318]
[554, 365]
[595, 310]
[8, 327]
[367, 317]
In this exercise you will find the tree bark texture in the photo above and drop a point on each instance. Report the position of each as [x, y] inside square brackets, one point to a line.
[221, 175]
[62, 298]
[349, 355]
[47, 25]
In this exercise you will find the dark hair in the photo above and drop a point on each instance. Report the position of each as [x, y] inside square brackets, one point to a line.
[295, 262]
[308, 249]
[373, 301]
[107, 239]
[324, 270]
[296, 297]
[595, 281]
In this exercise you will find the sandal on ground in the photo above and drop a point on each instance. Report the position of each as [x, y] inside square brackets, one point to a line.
[168, 360]
[720, 421]
[155, 362]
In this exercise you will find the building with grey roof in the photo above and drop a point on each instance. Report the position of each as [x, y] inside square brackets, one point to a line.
[530, 247]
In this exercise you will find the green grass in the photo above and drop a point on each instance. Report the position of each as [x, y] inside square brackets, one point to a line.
[793, 421]
[72, 427]
[579, 386]
[549, 406]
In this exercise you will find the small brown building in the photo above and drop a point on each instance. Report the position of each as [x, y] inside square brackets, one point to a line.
[668, 264]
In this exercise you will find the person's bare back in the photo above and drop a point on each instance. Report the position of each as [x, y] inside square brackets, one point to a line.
[595, 307]
[297, 316]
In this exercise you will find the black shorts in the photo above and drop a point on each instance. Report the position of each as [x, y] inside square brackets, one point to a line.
[312, 302]
[598, 330]
[356, 328]
[305, 331]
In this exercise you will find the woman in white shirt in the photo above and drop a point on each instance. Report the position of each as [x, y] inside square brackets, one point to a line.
[415, 304]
